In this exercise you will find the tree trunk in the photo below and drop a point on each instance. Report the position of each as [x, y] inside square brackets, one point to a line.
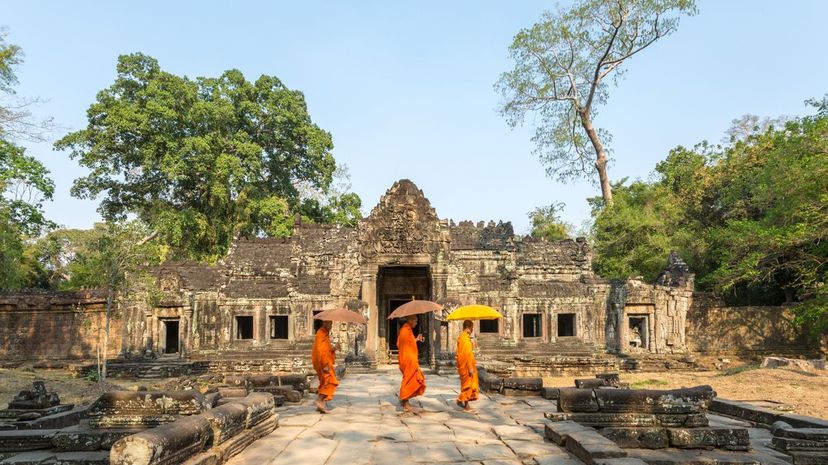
[601, 157]
[106, 333]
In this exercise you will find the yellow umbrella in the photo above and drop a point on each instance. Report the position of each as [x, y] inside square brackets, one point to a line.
[474, 312]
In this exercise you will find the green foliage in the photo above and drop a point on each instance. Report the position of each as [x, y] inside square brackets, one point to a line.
[750, 217]
[547, 223]
[10, 56]
[561, 66]
[200, 160]
[649, 383]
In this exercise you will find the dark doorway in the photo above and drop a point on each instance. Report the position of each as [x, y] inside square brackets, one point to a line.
[490, 326]
[531, 325]
[397, 285]
[171, 338]
[566, 324]
[637, 333]
[244, 327]
[278, 327]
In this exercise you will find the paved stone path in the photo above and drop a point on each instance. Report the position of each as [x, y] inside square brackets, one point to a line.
[367, 426]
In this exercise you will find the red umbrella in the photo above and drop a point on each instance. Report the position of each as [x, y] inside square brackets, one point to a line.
[414, 307]
[340, 314]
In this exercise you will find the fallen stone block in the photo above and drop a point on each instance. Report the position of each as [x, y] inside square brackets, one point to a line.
[168, 444]
[707, 438]
[673, 401]
[489, 382]
[786, 444]
[299, 382]
[290, 394]
[260, 406]
[130, 421]
[590, 383]
[610, 379]
[550, 393]
[619, 461]
[637, 438]
[225, 392]
[83, 438]
[58, 458]
[210, 457]
[26, 440]
[577, 400]
[589, 445]
[752, 413]
[809, 458]
[785, 430]
[558, 431]
[235, 445]
[150, 403]
[56, 421]
[226, 421]
[602, 419]
[265, 427]
[523, 384]
[235, 381]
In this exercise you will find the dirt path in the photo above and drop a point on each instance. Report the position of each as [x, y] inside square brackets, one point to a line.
[806, 391]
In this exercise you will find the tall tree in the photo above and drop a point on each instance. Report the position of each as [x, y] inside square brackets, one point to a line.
[115, 257]
[16, 121]
[561, 68]
[547, 223]
[202, 160]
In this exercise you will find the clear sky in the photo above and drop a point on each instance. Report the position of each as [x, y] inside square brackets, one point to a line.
[406, 88]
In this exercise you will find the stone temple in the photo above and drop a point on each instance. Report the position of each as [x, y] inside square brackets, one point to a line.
[256, 306]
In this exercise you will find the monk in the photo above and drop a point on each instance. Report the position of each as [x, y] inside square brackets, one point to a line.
[413, 381]
[322, 358]
[466, 368]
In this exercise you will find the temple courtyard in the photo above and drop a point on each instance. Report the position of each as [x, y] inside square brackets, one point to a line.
[367, 426]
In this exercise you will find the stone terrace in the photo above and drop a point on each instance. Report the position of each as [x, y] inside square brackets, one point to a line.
[366, 426]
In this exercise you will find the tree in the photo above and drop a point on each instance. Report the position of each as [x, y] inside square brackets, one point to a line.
[547, 223]
[199, 161]
[115, 257]
[561, 68]
[15, 112]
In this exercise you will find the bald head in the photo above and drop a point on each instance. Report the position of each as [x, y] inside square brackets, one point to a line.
[411, 320]
[468, 324]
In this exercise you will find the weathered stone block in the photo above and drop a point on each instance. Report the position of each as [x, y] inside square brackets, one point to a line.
[226, 392]
[589, 445]
[299, 382]
[550, 393]
[809, 458]
[688, 400]
[577, 400]
[130, 421]
[523, 384]
[603, 419]
[289, 394]
[165, 445]
[706, 438]
[558, 431]
[235, 380]
[226, 421]
[259, 405]
[23, 440]
[786, 444]
[210, 457]
[83, 438]
[610, 379]
[148, 403]
[638, 438]
[589, 383]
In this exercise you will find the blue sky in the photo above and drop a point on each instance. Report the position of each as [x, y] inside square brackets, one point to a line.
[406, 88]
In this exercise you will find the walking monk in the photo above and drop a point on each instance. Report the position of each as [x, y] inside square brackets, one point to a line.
[466, 367]
[322, 357]
[413, 381]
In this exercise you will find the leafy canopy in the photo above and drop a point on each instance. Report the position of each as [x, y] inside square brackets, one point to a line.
[201, 160]
[547, 223]
[561, 66]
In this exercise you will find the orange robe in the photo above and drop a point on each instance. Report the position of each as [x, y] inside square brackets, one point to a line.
[465, 365]
[413, 381]
[323, 356]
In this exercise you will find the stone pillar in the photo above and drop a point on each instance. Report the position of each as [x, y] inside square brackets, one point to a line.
[369, 295]
[438, 294]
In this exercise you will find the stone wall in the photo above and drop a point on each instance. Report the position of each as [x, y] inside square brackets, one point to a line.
[55, 326]
[716, 329]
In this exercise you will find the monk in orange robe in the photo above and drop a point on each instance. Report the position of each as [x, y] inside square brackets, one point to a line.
[413, 381]
[322, 358]
[466, 367]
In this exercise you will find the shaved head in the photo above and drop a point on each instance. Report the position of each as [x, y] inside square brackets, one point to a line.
[468, 324]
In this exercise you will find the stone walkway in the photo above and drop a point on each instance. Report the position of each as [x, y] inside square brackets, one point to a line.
[367, 426]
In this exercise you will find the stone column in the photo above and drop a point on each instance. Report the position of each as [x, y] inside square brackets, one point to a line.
[369, 295]
[438, 293]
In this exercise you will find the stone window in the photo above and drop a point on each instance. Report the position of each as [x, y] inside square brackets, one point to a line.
[532, 325]
[566, 324]
[278, 326]
[489, 326]
[244, 327]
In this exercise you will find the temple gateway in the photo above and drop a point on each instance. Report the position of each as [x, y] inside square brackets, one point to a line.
[257, 305]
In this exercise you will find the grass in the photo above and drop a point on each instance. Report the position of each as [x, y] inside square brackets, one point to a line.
[737, 370]
[649, 383]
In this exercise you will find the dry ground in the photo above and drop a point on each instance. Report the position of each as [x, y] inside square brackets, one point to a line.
[807, 392]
